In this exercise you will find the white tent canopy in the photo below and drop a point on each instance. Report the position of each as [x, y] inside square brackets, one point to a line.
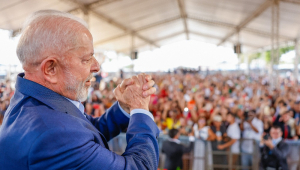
[138, 25]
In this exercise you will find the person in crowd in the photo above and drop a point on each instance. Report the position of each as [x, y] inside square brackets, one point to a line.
[252, 129]
[267, 123]
[45, 126]
[283, 122]
[171, 115]
[273, 150]
[233, 132]
[174, 150]
[202, 131]
[219, 129]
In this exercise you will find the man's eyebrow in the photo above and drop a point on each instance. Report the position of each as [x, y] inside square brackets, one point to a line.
[89, 54]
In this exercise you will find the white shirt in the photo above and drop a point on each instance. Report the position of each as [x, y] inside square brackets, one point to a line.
[202, 133]
[134, 111]
[249, 133]
[233, 131]
[174, 140]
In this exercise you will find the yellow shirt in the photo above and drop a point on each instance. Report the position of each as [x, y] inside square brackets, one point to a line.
[170, 123]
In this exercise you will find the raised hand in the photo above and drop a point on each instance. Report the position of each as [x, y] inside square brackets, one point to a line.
[134, 93]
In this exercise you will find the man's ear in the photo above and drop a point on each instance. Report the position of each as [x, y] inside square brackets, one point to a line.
[49, 68]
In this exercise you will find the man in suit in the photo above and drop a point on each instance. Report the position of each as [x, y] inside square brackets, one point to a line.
[274, 151]
[174, 150]
[45, 126]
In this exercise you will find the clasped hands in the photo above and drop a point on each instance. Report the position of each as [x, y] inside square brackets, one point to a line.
[134, 93]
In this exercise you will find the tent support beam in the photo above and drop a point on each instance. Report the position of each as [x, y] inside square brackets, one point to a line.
[157, 40]
[228, 25]
[112, 22]
[252, 16]
[119, 25]
[215, 37]
[137, 30]
[183, 15]
[291, 1]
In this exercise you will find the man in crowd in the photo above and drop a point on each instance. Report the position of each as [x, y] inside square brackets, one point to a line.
[233, 132]
[174, 150]
[45, 126]
[283, 123]
[274, 151]
[252, 129]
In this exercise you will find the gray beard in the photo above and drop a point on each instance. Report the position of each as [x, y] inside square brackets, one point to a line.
[78, 88]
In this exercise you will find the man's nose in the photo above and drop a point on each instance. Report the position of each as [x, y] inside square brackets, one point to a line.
[95, 66]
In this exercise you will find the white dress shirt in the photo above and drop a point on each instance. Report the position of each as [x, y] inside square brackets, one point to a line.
[80, 106]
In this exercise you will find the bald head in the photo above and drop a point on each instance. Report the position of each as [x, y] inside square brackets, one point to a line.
[48, 32]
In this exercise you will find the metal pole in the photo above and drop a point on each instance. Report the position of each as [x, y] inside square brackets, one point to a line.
[247, 64]
[132, 54]
[275, 44]
[86, 17]
[277, 41]
[296, 61]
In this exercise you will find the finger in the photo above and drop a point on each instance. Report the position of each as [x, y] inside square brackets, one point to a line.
[148, 85]
[144, 78]
[149, 92]
[141, 78]
[148, 78]
[117, 92]
[136, 80]
[125, 83]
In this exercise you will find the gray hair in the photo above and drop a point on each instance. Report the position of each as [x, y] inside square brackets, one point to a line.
[47, 32]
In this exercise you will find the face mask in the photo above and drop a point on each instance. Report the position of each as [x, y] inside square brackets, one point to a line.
[276, 141]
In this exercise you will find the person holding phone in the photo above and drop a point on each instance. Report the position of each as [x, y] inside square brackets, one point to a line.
[273, 151]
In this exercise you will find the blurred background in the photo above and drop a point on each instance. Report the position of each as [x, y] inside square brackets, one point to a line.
[210, 59]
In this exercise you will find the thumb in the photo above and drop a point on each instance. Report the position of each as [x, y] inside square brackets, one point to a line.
[117, 93]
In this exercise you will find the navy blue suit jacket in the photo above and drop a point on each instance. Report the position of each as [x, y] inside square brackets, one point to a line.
[43, 130]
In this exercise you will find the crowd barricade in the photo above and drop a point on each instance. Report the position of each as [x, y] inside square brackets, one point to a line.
[205, 156]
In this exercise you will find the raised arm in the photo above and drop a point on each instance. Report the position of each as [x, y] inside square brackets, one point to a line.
[116, 118]
[79, 150]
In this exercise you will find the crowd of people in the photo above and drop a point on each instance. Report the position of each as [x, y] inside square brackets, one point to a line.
[219, 108]
[213, 107]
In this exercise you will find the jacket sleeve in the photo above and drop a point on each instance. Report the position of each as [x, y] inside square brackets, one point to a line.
[75, 148]
[187, 149]
[281, 152]
[111, 123]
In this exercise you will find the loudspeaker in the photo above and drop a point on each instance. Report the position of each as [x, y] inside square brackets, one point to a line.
[237, 49]
[134, 55]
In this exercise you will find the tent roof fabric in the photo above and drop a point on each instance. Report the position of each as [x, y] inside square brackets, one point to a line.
[137, 25]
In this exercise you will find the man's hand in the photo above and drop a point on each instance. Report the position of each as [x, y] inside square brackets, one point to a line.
[269, 143]
[141, 84]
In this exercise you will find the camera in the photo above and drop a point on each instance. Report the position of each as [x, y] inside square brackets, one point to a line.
[267, 137]
[246, 116]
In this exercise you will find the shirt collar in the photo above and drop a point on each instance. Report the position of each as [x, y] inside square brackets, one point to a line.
[175, 140]
[276, 141]
[78, 104]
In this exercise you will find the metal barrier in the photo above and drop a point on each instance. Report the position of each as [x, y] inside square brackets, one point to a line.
[205, 156]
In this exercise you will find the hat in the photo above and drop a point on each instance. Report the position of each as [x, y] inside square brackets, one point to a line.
[217, 118]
